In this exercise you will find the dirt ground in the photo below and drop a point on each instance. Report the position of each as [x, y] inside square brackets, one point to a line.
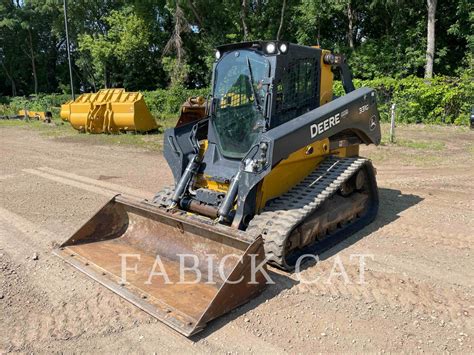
[418, 295]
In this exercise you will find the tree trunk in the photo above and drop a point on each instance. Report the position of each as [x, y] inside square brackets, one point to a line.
[33, 64]
[14, 93]
[11, 80]
[282, 18]
[105, 75]
[430, 48]
[175, 42]
[243, 17]
[350, 27]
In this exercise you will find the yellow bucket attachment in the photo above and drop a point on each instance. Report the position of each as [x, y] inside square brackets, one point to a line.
[109, 111]
[35, 115]
[129, 246]
[65, 111]
[194, 109]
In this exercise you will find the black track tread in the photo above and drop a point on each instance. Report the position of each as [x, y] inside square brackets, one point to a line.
[284, 213]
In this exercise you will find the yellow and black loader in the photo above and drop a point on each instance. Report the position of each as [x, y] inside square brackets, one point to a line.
[268, 169]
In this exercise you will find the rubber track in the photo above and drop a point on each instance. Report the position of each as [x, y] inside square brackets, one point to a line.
[283, 214]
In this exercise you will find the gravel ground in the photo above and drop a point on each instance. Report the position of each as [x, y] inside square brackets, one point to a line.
[418, 290]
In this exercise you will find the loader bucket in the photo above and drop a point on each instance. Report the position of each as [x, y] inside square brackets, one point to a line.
[109, 111]
[65, 111]
[78, 111]
[33, 115]
[129, 112]
[194, 109]
[87, 111]
[129, 246]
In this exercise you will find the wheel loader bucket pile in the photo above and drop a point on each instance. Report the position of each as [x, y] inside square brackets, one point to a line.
[35, 115]
[109, 111]
[77, 111]
[129, 246]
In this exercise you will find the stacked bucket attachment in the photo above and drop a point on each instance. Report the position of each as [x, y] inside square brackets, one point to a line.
[194, 109]
[109, 111]
[129, 245]
[36, 115]
[45, 116]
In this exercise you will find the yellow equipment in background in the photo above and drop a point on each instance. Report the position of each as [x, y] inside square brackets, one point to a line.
[65, 110]
[109, 111]
[36, 115]
[194, 109]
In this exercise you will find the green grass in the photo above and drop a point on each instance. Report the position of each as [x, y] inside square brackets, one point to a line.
[433, 145]
[12, 123]
[31, 124]
[64, 132]
[414, 144]
[152, 142]
[425, 145]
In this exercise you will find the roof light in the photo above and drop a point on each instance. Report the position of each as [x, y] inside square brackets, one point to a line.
[283, 47]
[270, 48]
[218, 55]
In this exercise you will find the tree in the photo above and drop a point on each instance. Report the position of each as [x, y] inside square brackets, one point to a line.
[126, 36]
[177, 70]
[18, 21]
[31, 54]
[243, 18]
[143, 45]
[282, 18]
[430, 48]
[8, 72]
[351, 17]
[460, 34]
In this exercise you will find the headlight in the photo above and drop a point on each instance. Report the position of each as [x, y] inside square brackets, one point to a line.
[283, 48]
[270, 48]
[218, 55]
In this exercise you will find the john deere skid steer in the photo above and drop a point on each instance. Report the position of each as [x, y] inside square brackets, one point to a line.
[267, 171]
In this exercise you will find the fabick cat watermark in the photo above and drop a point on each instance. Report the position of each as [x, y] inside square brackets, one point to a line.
[192, 269]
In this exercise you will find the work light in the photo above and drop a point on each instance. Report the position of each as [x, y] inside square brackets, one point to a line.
[270, 48]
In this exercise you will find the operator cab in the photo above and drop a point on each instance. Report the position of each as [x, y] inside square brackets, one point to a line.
[258, 86]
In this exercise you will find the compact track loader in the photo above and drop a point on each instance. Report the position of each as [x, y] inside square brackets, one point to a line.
[268, 171]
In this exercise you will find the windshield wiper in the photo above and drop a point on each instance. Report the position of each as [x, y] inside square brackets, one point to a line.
[257, 101]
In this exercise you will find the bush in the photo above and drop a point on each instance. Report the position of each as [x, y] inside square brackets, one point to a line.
[161, 102]
[41, 102]
[439, 100]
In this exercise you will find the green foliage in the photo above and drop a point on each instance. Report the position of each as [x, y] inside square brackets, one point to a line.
[162, 103]
[42, 102]
[177, 74]
[375, 59]
[122, 43]
[463, 30]
[440, 100]
[127, 36]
